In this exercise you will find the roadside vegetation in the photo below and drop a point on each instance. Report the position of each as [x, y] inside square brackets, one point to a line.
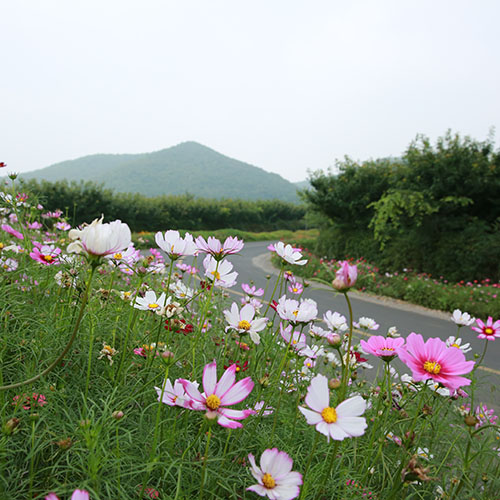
[129, 374]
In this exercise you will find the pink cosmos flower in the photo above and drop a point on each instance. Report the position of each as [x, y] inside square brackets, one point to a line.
[35, 225]
[77, 495]
[45, 254]
[252, 290]
[338, 423]
[296, 288]
[12, 231]
[275, 477]
[9, 264]
[489, 330]
[382, 347]
[214, 247]
[63, 226]
[218, 395]
[434, 360]
[345, 277]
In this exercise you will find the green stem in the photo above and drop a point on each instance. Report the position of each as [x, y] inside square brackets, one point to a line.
[205, 460]
[308, 464]
[346, 371]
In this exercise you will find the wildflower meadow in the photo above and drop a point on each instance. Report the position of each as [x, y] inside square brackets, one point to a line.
[130, 373]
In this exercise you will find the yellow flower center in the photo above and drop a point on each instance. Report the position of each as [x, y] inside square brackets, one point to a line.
[295, 312]
[295, 289]
[387, 349]
[268, 481]
[216, 275]
[294, 341]
[108, 349]
[329, 415]
[127, 294]
[213, 402]
[117, 256]
[153, 306]
[455, 345]
[48, 258]
[244, 325]
[1, 245]
[432, 367]
[488, 331]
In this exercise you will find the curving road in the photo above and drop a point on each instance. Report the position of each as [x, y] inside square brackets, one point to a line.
[253, 264]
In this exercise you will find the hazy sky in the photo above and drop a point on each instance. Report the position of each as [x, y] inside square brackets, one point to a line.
[287, 85]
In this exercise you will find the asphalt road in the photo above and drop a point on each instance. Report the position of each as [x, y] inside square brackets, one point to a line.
[253, 265]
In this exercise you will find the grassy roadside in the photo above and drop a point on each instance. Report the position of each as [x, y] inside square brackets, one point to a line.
[479, 298]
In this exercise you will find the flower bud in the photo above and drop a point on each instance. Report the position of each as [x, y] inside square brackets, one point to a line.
[167, 355]
[334, 339]
[334, 383]
[64, 444]
[471, 420]
[10, 426]
[118, 415]
[264, 381]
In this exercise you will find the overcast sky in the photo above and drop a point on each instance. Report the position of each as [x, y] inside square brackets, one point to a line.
[287, 85]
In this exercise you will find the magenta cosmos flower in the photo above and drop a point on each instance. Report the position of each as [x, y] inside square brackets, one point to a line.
[218, 250]
[220, 394]
[345, 277]
[382, 347]
[12, 231]
[77, 495]
[434, 360]
[45, 254]
[489, 330]
[338, 423]
[275, 477]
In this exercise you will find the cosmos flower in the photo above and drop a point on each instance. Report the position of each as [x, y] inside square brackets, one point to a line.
[220, 274]
[434, 360]
[382, 347]
[289, 254]
[175, 246]
[77, 495]
[9, 264]
[453, 341]
[335, 321]
[252, 290]
[62, 226]
[243, 321]
[296, 288]
[341, 422]
[218, 250]
[489, 330]
[275, 477]
[174, 395]
[34, 225]
[297, 312]
[218, 395]
[345, 277]
[98, 239]
[45, 254]
[367, 323]
[150, 302]
[12, 231]
[462, 318]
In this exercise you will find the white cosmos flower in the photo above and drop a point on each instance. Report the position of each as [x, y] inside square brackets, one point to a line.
[175, 246]
[335, 321]
[297, 312]
[243, 321]
[453, 341]
[100, 239]
[151, 303]
[181, 291]
[221, 274]
[338, 423]
[367, 323]
[289, 254]
[462, 318]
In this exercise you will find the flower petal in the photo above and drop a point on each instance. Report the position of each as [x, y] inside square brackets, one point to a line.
[210, 378]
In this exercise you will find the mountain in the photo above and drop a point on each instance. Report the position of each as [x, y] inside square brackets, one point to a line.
[188, 167]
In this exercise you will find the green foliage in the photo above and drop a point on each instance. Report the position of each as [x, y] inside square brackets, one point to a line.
[186, 168]
[436, 209]
[83, 202]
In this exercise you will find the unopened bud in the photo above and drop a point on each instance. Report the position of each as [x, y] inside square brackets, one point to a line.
[167, 355]
[334, 339]
[142, 270]
[11, 425]
[118, 415]
[471, 420]
[64, 444]
[334, 383]
[84, 423]
[354, 375]
[264, 381]
[268, 276]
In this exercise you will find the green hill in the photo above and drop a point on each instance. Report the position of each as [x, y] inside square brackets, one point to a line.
[188, 167]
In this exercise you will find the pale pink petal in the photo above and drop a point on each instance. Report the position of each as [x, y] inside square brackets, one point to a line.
[354, 426]
[192, 391]
[226, 381]
[210, 378]
[312, 417]
[256, 472]
[259, 489]
[237, 393]
[236, 414]
[281, 466]
[226, 422]
[267, 458]
[80, 495]
[336, 432]
[318, 396]
[287, 491]
[247, 313]
[51, 496]
[352, 407]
